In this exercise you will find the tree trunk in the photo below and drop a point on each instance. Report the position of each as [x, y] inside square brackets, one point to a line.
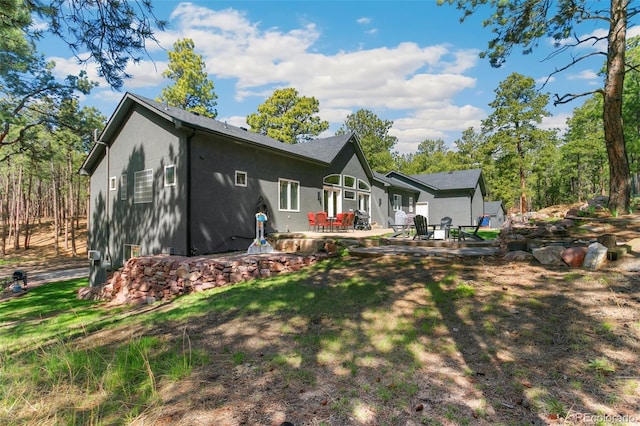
[619, 173]
[27, 211]
[16, 217]
[56, 213]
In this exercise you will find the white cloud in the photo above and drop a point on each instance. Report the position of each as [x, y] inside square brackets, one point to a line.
[414, 85]
[585, 75]
[558, 121]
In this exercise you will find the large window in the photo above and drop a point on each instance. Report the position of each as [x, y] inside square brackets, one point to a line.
[143, 186]
[289, 195]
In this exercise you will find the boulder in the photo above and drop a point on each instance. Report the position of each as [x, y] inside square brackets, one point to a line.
[574, 256]
[595, 256]
[550, 255]
[518, 255]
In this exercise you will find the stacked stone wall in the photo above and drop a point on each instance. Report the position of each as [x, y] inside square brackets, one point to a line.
[145, 280]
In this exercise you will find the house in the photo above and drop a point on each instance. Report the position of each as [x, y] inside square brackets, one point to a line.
[164, 180]
[458, 195]
[496, 212]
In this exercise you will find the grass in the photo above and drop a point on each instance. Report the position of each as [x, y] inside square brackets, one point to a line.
[373, 341]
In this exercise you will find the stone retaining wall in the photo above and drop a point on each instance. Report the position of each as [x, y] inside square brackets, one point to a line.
[145, 280]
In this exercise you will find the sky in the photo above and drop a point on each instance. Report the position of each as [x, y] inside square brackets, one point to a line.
[410, 62]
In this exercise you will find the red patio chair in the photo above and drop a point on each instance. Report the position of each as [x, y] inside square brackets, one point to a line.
[322, 221]
[311, 217]
[341, 221]
[350, 218]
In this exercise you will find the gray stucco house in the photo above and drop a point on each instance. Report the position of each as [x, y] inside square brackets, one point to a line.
[458, 195]
[164, 180]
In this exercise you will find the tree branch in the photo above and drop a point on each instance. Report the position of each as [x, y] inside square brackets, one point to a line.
[564, 99]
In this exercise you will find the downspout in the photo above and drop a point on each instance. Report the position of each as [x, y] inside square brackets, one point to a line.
[108, 195]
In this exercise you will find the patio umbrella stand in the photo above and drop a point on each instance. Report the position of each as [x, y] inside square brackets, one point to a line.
[260, 244]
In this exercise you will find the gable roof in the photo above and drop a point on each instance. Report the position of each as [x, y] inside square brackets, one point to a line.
[322, 151]
[451, 181]
[389, 180]
[493, 207]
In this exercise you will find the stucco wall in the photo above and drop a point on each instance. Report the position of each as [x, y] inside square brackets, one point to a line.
[144, 142]
[223, 214]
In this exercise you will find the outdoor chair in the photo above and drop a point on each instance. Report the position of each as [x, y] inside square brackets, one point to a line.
[445, 227]
[472, 233]
[422, 228]
[311, 217]
[400, 224]
[351, 218]
[322, 221]
[341, 221]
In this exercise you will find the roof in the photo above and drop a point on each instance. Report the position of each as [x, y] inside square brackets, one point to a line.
[493, 208]
[451, 181]
[396, 183]
[322, 150]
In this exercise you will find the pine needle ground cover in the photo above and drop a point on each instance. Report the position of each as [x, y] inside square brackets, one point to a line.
[345, 342]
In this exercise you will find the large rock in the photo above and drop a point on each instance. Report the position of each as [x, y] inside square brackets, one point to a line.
[550, 255]
[596, 256]
[634, 245]
[574, 256]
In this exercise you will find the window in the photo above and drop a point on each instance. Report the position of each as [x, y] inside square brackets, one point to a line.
[123, 187]
[363, 201]
[131, 250]
[289, 199]
[241, 178]
[332, 180]
[170, 175]
[363, 186]
[112, 183]
[397, 202]
[349, 195]
[349, 181]
[410, 204]
[143, 186]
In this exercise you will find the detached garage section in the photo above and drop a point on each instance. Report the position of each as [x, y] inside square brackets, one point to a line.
[458, 195]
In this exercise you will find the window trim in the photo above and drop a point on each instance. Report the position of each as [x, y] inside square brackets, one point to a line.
[166, 181]
[246, 178]
[349, 194]
[410, 204]
[289, 207]
[112, 183]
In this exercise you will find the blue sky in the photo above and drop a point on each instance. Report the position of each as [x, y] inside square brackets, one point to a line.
[411, 62]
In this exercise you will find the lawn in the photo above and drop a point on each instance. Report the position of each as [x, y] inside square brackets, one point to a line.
[343, 342]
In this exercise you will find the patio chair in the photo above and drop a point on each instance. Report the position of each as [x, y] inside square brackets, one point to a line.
[311, 217]
[472, 233]
[422, 228]
[399, 225]
[351, 218]
[341, 221]
[322, 221]
[445, 227]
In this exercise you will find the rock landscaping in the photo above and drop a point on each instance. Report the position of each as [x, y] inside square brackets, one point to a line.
[145, 280]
